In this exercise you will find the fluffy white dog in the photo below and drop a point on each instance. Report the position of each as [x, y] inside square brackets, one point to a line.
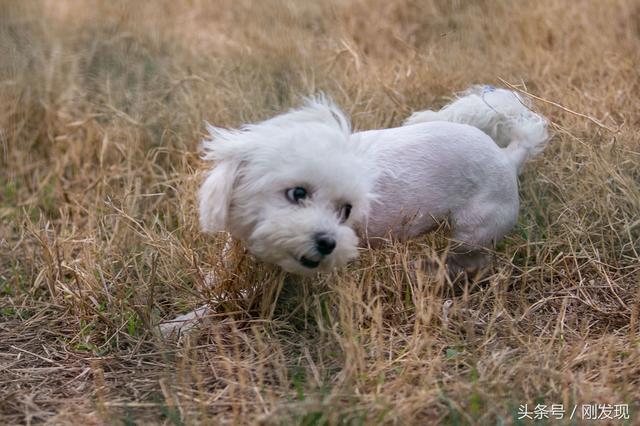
[301, 189]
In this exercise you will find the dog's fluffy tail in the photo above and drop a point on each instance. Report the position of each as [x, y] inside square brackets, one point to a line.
[502, 114]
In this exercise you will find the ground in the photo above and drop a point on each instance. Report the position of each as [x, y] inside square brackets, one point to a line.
[102, 107]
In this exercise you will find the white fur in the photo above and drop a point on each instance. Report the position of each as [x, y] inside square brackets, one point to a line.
[502, 114]
[309, 147]
[400, 181]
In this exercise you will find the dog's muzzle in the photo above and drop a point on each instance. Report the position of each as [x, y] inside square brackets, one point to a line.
[309, 263]
[324, 245]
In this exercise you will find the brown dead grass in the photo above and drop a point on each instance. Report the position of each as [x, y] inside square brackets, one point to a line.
[101, 110]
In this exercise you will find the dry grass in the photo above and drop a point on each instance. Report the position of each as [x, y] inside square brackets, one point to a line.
[101, 110]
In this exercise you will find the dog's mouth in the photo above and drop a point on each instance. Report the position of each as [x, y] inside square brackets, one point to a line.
[309, 263]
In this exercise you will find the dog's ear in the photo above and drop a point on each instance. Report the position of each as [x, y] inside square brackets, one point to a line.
[215, 196]
[222, 147]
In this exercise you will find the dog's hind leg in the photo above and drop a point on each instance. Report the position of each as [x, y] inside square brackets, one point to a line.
[476, 230]
[466, 258]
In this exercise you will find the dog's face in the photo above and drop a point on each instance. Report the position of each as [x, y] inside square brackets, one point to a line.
[294, 188]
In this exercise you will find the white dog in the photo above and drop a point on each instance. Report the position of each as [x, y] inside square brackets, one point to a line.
[301, 189]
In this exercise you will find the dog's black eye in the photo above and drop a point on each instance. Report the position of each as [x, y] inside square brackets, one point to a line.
[345, 211]
[296, 194]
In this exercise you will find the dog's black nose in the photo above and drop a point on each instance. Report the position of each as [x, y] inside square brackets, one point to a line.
[324, 243]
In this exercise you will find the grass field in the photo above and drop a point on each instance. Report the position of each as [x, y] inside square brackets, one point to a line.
[102, 105]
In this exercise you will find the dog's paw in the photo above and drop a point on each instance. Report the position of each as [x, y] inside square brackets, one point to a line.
[182, 325]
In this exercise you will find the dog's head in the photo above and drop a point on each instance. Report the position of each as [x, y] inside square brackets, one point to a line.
[294, 188]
